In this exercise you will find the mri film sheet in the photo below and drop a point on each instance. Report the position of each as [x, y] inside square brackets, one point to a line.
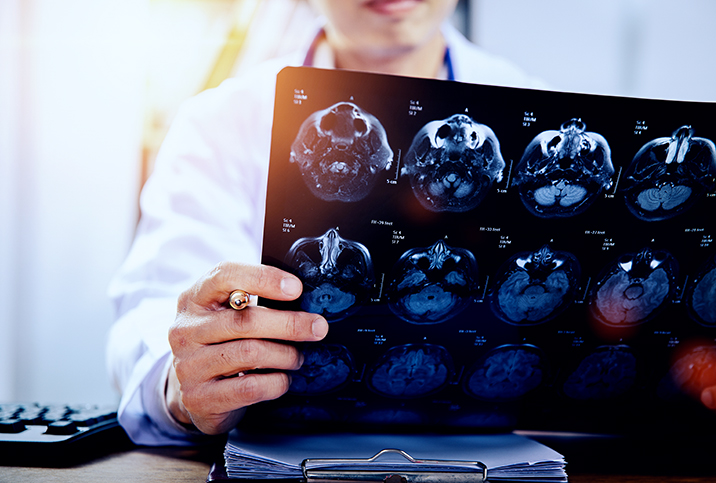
[490, 258]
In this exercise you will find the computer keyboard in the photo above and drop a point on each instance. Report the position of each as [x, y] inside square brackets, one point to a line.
[33, 434]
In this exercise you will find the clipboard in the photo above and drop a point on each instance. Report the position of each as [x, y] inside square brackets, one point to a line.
[335, 470]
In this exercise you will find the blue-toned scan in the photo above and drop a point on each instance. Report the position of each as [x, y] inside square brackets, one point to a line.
[562, 172]
[534, 287]
[340, 152]
[634, 288]
[700, 295]
[668, 175]
[505, 373]
[432, 284]
[608, 372]
[326, 367]
[693, 370]
[337, 274]
[453, 163]
[411, 370]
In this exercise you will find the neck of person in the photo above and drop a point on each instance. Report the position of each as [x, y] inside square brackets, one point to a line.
[425, 60]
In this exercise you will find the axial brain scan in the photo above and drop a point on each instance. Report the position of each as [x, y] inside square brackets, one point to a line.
[411, 370]
[701, 295]
[337, 274]
[562, 172]
[634, 288]
[608, 372]
[668, 175]
[432, 284]
[692, 372]
[326, 367]
[506, 373]
[453, 163]
[535, 287]
[340, 152]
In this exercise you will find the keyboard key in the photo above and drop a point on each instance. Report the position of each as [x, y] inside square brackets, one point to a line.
[62, 428]
[11, 426]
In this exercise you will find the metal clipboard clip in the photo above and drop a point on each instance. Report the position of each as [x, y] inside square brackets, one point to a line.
[331, 471]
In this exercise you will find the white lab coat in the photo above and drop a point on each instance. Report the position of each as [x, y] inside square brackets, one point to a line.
[204, 204]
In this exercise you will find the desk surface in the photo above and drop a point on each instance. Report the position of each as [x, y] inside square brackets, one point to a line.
[159, 465]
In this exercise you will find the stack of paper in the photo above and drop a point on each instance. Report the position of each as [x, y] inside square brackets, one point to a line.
[506, 456]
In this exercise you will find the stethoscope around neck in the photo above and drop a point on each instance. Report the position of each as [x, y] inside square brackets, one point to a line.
[447, 59]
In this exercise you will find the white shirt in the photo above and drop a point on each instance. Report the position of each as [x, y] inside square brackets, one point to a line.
[204, 204]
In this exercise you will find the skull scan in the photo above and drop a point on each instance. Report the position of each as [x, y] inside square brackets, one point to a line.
[634, 288]
[562, 172]
[326, 367]
[700, 295]
[453, 163]
[411, 370]
[340, 152]
[432, 284]
[337, 274]
[668, 175]
[534, 287]
[506, 373]
[608, 372]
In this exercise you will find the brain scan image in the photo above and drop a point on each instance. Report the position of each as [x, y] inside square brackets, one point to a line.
[633, 288]
[700, 295]
[337, 274]
[534, 287]
[506, 373]
[692, 372]
[608, 372]
[453, 163]
[562, 172]
[432, 284]
[340, 152]
[668, 175]
[326, 367]
[411, 370]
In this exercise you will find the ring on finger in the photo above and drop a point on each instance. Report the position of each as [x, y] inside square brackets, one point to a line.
[239, 299]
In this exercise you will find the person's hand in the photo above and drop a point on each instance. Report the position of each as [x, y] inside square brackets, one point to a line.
[708, 397]
[214, 347]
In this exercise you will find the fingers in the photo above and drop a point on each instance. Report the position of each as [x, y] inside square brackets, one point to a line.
[264, 281]
[213, 406]
[262, 323]
[230, 358]
[708, 397]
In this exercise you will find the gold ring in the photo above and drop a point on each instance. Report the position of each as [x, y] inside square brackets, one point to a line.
[238, 300]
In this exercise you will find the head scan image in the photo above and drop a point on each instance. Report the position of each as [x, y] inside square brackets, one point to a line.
[634, 288]
[326, 367]
[411, 370]
[700, 296]
[534, 287]
[668, 175]
[505, 373]
[340, 152]
[562, 172]
[337, 274]
[432, 284]
[693, 370]
[453, 163]
[608, 372]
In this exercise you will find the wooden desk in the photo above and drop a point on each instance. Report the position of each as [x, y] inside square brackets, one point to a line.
[171, 465]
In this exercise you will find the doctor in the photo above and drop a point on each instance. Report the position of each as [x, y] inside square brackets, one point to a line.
[199, 237]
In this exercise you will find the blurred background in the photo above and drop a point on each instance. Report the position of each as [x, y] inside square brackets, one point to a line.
[88, 90]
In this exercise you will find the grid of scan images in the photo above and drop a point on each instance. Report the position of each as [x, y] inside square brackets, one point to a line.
[491, 257]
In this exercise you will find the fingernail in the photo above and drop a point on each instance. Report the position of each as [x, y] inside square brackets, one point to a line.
[291, 287]
[319, 328]
[707, 398]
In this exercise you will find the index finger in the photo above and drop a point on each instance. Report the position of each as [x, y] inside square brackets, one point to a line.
[261, 280]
